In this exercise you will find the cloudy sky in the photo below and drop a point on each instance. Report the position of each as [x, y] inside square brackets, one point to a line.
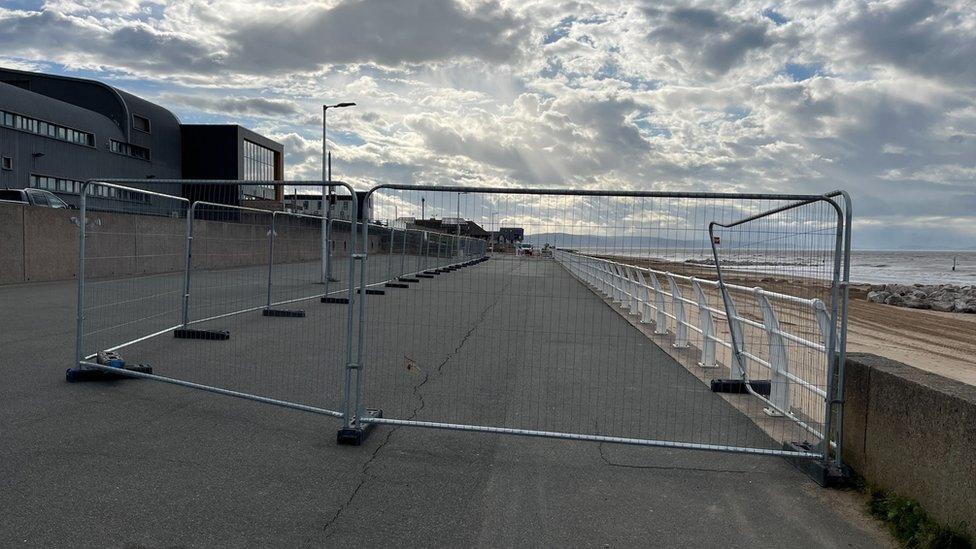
[876, 97]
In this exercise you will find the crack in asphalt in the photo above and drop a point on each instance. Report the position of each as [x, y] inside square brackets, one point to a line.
[422, 403]
[610, 463]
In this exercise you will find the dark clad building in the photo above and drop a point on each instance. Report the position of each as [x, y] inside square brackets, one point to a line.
[57, 131]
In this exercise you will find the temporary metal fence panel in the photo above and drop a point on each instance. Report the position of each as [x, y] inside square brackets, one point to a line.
[587, 315]
[221, 292]
[610, 327]
[783, 276]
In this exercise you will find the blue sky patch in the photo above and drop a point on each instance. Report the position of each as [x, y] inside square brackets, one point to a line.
[800, 72]
[775, 16]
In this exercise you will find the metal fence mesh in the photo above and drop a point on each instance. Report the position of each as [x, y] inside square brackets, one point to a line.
[566, 337]
[687, 320]
[227, 296]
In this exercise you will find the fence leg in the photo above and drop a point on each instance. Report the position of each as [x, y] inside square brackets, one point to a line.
[76, 371]
[326, 297]
[268, 310]
[737, 367]
[779, 392]
[353, 431]
[403, 255]
[185, 332]
[389, 258]
[271, 247]
[79, 372]
[188, 257]
[706, 323]
[681, 322]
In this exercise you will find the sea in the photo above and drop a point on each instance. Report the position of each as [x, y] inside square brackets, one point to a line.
[867, 266]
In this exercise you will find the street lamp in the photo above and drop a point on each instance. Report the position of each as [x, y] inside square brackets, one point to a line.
[327, 199]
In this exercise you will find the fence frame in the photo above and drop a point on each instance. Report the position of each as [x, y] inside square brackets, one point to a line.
[625, 285]
[840, 281]
[836, 344]
[84, 368]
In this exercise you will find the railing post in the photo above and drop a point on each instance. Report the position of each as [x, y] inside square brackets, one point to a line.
[779, 393]
[634, 288]
[618, 285]
[607, 287]
[823, 321]
[660, 307]
[706, 323]
[645, 299]
[681, 321]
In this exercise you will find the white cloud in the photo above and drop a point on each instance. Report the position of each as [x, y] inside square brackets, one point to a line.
[873, 96]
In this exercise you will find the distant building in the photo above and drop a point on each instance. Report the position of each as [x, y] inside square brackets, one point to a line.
[229, 151]
[57, 132]
[510, 235]
[311, 204]
[449, 225]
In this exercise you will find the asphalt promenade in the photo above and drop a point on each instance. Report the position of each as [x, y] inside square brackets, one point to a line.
[512, 343]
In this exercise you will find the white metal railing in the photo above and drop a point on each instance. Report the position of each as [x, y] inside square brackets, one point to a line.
[639, 289]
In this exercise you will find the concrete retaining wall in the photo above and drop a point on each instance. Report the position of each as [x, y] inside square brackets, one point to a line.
[41, 244]
[914, 433]
[11, 243]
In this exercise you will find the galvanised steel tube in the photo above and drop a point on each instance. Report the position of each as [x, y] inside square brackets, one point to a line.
[271, 247]
[212, 389]
[825, 442]
[590, 438]
[80, 320]
[403, 254]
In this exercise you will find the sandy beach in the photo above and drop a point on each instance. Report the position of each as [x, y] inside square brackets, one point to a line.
[942, 343]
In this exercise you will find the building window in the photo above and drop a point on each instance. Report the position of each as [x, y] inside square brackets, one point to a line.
[49, 129]
[7, 163]
[259, 165]
[140, 123]
[127, 149]
[73, 186]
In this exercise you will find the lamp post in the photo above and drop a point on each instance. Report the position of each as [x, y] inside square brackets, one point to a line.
[327, 199]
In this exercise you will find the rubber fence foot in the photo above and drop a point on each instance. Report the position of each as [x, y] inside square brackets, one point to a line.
[193, 333]
[287, 313]
[355, 436]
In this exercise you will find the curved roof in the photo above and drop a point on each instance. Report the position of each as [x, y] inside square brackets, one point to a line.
[116, 105]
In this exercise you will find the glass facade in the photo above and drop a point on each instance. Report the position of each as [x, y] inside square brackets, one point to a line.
[40, 127]
[259, 162]
[259, 165]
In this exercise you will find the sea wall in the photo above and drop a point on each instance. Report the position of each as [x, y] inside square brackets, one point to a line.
[41, 244]
[914, 433]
